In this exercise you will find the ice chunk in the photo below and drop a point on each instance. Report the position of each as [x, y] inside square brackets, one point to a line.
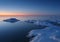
[49, 34]
[31, 21]
[56, 23]
[44, 23]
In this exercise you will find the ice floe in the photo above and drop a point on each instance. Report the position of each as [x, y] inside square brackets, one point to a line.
[48, 34]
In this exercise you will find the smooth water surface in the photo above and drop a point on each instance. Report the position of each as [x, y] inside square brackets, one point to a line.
[18, 31]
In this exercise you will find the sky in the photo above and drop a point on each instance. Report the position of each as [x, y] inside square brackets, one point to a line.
[29, 7]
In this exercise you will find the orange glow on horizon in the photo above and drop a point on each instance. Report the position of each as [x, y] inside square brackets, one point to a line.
[12, 13]
[16, 14]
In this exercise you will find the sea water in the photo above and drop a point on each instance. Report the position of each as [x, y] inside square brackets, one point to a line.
[18, 31]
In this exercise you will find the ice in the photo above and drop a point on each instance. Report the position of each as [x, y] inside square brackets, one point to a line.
[44, 23]
[48, 34]
[39, 22]
[30, 21]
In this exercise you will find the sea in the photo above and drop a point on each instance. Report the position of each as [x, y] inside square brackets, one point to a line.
[18, 31]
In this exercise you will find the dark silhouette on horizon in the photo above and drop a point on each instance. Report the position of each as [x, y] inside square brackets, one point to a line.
[11, 20]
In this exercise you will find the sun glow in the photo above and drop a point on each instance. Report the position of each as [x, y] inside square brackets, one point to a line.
[12, 13]
[7, 13]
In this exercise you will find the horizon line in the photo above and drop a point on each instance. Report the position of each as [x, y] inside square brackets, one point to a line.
[28, 15]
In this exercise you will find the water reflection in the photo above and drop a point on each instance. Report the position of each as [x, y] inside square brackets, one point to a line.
[16, 30]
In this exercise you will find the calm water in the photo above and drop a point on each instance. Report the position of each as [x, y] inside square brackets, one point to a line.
[17, 32]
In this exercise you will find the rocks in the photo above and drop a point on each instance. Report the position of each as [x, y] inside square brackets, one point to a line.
[11, 20]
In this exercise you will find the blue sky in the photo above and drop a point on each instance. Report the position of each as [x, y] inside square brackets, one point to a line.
[45, 7]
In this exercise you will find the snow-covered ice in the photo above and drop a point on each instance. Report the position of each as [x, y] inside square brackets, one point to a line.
[48, 34]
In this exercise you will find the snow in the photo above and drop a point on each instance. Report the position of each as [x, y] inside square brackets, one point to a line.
[48, 34]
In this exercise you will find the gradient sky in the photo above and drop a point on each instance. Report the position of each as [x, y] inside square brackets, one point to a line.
[30, 7]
